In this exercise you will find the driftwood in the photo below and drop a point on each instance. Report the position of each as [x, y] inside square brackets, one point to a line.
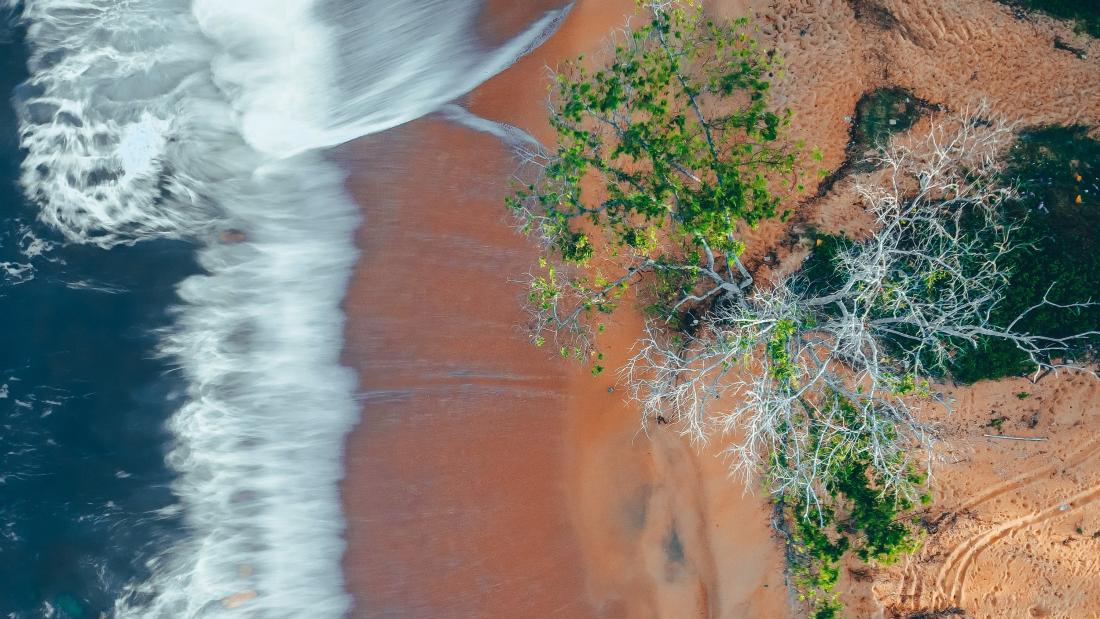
[1016, 438]
[939, 614]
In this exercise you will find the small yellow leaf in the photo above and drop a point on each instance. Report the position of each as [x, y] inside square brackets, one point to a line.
[1078, 200]
[1078, 178]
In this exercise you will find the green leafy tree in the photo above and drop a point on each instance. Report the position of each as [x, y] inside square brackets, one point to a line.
[661, 156]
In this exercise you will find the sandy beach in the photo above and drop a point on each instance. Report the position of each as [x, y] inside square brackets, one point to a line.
[489, 478]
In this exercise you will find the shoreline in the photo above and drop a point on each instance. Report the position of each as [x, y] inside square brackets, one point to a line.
[444, 488]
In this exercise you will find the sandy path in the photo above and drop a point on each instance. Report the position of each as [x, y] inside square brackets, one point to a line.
[1017, 523]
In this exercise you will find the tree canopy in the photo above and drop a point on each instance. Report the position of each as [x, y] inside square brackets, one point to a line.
[661, 155]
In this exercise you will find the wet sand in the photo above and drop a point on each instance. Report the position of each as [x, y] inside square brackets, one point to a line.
[453, 489]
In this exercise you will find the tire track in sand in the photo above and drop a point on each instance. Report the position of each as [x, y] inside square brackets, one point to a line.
[912, 585]
[1086, 451]
[985, 541]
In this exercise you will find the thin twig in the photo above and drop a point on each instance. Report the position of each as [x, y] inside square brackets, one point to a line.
[1016, 438]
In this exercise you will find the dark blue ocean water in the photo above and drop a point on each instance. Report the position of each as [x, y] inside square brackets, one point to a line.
[84, 492]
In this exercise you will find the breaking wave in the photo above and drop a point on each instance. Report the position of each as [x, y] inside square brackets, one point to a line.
[203, 120]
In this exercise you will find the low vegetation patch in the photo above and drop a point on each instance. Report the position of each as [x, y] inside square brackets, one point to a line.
[1058, 210]
[880, 114]
[1085, 14]
[1056, 214]
[858, 517]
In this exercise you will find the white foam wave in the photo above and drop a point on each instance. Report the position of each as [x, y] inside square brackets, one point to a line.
[191, 118]
[397, 61]
[30, 245]
[261, 437]
[16, 272]
[511, 135]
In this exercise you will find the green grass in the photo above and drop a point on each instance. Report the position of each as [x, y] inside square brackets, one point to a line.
[1085, 14]
[1047, 162]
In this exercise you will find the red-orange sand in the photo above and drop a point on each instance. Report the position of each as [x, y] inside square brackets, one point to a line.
[490, 479]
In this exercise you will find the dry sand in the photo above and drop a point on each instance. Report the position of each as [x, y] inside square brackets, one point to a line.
[489, 479]
[1015, 527]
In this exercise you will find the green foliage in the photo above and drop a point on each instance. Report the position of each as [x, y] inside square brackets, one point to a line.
[989, 360]
[1058, 171]
[666, 287]
[817, 554]
[782, 366]
[637, 124]
[879, 114]
[860, 518]
[828, 610]
[858, 515]
[544, 289]
[671, 146]
[882, 113]
[875, 517]
[1084, 13]
[820, 273]
[1055, 167]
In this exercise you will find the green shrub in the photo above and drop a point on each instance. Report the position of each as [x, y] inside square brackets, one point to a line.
[819, 272]
[1085, 14]
[859, 515]
[1057, 169]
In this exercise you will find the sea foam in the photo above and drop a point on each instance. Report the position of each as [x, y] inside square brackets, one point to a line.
[188, 119]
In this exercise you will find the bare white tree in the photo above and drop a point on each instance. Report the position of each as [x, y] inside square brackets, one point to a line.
[805, 378]
[802, 375]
